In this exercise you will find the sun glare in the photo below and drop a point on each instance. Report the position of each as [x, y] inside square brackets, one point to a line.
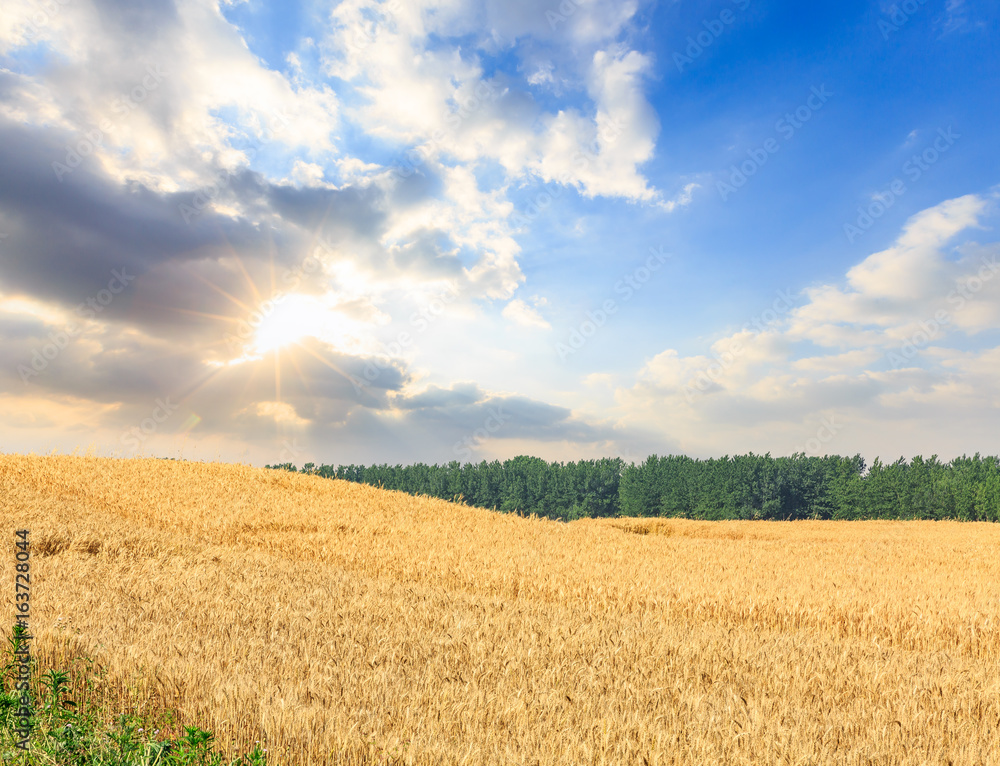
[296, 317]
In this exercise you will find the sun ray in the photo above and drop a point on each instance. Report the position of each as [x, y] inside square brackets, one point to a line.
[277, 374]
[329, 364]
[219, 290]
[249, 379]
[302, 378]
[246, 275]
[204, 314]
[94, 414]
[198, 384]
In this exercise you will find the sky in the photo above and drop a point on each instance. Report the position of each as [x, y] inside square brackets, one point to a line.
[436, 230]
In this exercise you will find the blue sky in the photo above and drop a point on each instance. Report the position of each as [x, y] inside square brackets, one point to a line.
[446, 229]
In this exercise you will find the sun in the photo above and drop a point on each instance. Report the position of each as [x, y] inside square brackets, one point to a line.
[290, 318]
[294, 317]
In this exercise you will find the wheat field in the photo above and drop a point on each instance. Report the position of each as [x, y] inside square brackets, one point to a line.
[343, 624]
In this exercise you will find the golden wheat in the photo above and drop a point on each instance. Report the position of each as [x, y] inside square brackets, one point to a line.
[351, 625]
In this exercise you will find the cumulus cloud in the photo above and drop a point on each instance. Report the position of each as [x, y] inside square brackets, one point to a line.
[881, 354]
[438, 98]
[163, 93]
[893, 291]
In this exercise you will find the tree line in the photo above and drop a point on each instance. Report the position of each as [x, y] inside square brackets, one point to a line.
[739, 487]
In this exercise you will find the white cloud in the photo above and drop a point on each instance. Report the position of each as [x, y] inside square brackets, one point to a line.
[438, 98]
[155, 84]
[683, 199]
[306, 174]
[521, 313]
[894, 372]
[280, 412]
[891, 292]
[956, 16]
[542, 74]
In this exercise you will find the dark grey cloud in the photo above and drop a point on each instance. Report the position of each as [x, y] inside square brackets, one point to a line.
[189, 283]
[430, 252]
[113, 365]
[337, 213]
[191, 276]
[103, 364]
[136, 20]
[66, 236]
[438, 397]
[464, 409]
[194, 279]
[197, 274]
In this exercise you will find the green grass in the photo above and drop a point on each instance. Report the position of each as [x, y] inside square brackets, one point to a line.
[68, 732]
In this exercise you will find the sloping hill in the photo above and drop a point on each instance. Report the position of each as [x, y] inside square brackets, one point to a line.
[342, 621]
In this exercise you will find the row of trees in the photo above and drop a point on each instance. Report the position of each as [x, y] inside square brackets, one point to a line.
[739, 487]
